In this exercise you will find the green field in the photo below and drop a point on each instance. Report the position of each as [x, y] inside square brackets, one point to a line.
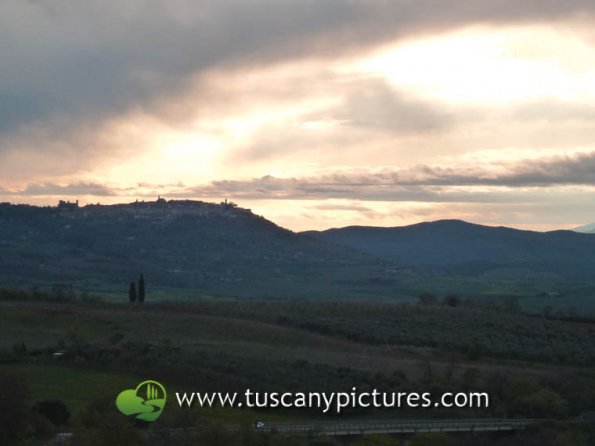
[218, 344]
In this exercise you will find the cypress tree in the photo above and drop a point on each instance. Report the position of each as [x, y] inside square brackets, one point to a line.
[132, 292]
[141, 289]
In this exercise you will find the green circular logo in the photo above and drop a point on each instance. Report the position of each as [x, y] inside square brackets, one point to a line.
[146, 402]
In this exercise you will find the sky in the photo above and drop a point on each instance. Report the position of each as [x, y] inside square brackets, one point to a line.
[312, 113]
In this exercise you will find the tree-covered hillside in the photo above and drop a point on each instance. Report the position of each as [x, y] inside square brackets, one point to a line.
[219, 248]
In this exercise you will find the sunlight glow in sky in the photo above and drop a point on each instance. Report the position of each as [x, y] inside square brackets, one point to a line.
[495, 66]
[329, 120]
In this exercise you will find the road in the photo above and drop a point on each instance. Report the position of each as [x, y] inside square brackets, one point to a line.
[404, 426]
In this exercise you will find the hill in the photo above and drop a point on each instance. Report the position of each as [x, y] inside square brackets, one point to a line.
[218, 248]
[189, 248]
[464, 248]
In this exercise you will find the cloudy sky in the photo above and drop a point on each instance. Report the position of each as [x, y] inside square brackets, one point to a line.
[313, 113]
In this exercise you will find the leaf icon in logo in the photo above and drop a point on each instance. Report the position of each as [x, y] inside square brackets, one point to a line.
[146, 402]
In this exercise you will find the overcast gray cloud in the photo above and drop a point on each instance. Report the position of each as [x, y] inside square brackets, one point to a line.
[374, 104]
[73, 190]
[65, 61]
[555, 171]
[420, 183]
[97, 97]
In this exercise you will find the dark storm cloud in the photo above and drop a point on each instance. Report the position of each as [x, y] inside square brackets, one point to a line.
[419, 183]
[568, 170]
[577, 169]
[66, 61]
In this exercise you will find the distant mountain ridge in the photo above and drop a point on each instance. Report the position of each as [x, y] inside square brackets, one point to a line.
[218, 248]
[465, 248]
[222, 249]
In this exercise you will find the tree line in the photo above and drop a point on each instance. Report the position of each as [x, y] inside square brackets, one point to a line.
[137, 293]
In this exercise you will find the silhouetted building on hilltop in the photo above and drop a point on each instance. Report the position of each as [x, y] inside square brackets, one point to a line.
[229, 204]
[67, 205]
